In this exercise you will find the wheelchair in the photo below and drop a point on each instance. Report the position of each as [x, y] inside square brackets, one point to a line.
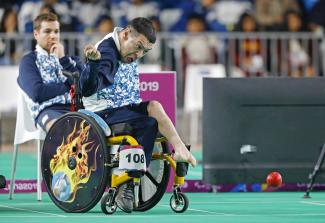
[80, 161]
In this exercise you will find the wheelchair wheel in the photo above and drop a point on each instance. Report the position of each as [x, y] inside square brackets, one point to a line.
[154, 183]
[74, 162]
[180, 204]
[107, 205]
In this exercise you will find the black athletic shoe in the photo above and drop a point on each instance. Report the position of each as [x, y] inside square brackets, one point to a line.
[125, 197]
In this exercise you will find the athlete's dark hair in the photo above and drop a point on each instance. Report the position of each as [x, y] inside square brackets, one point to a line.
[144, 26]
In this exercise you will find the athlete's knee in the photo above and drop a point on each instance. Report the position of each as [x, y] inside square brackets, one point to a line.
[154, 106]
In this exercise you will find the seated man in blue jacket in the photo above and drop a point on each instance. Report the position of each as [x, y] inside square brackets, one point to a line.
[40, 73]
[110, 86]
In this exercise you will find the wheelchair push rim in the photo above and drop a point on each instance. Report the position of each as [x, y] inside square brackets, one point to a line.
[74, 162]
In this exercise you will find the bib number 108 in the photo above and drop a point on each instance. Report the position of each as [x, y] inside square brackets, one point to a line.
[132, 158]
[135, 158]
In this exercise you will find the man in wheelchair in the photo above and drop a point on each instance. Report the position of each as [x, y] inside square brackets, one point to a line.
[110, 86]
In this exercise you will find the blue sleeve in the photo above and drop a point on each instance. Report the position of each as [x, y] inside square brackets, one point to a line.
[97, 74]
[30, 81]
[72, 64]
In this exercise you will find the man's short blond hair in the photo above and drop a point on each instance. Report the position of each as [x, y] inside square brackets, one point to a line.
[48, 17]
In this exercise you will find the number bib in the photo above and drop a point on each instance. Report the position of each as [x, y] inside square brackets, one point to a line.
[132, 158]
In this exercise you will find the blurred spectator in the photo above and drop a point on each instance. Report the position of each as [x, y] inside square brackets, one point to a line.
[227, 12]
[9, 26]
[293, 22]
[185, 8]
[298, 58]
[168, 4]
[249, 50]
[157, 54]
[198, 47]
[47, 8]
[308, 5]
[29, 10]
[270, 14]
[206, 9]
[6, 4]
[317, 17]
[104, 25]
[87, 13]
[9, 22]
[137, 8]
[317, 25]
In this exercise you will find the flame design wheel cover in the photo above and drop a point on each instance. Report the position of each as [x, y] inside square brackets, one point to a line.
[78, 137]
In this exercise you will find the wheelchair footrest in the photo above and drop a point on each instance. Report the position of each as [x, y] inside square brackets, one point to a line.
[181, 169]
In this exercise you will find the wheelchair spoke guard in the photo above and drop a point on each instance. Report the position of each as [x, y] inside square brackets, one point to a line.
[73, 162]
[155, 181]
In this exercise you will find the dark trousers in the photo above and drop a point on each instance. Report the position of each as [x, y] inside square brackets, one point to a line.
[144, 128]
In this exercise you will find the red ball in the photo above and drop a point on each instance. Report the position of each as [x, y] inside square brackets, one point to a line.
[274, 179]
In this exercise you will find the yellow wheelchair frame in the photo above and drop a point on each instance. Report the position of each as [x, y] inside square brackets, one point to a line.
[78, 190]
[178, 202]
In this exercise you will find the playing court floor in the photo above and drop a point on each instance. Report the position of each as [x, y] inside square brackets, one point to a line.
[211, 207]
[204, 207]
[26, 166]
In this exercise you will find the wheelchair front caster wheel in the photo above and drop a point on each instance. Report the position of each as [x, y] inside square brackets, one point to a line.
[108, 205]
[179, 203]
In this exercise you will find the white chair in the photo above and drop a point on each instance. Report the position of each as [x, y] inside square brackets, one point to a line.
[25, 131]
[193, 98]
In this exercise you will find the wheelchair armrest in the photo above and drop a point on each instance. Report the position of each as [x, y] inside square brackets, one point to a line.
[99, 121]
